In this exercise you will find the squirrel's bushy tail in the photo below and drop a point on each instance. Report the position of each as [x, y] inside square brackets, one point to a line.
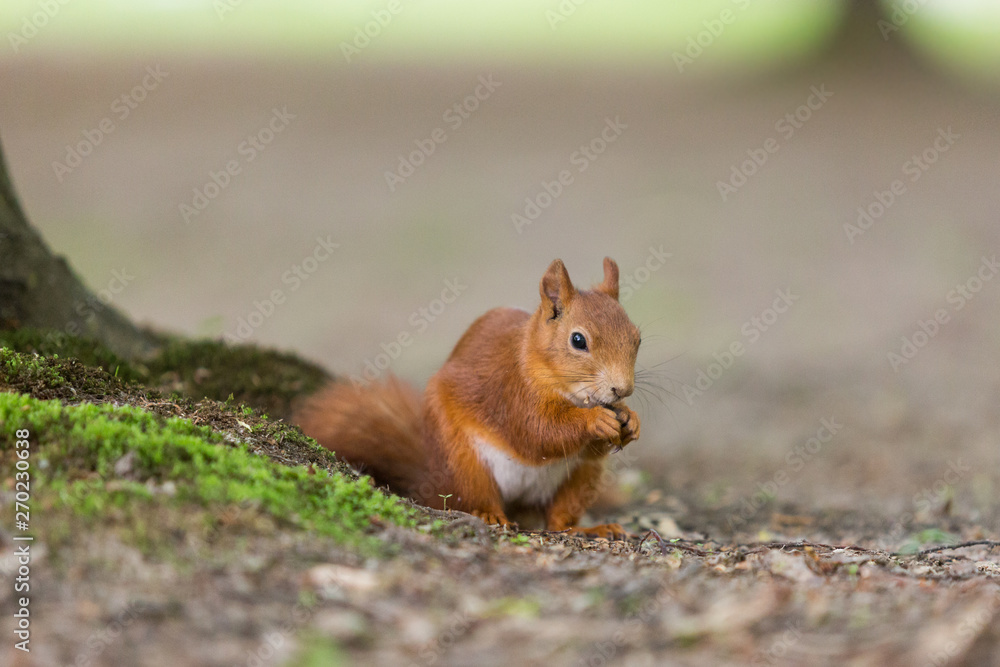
[376, 428]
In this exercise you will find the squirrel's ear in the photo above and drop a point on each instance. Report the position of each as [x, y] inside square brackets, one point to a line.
[556, 289]
[610, 284]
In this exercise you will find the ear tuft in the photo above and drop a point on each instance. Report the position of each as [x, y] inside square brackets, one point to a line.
[610, 284]
[556, 289]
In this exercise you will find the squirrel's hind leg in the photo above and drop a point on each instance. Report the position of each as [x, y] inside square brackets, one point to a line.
[574, 497]
[469, 482]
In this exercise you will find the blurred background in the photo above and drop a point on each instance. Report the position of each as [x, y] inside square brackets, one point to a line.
[815, 182]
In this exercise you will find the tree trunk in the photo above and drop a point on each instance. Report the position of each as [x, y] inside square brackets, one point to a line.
[38, 289]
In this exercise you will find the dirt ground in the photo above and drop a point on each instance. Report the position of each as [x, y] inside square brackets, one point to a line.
[699, 583]
[813, 434]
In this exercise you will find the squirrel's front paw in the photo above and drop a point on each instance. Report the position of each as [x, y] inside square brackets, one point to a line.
[603, 424]
[629, 422]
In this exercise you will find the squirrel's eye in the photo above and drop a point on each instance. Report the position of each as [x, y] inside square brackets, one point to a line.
[578, 341]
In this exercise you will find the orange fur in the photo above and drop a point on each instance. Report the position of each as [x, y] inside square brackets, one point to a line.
[376, 429]
[518, 415]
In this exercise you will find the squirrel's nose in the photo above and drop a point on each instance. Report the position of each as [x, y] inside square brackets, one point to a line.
[622, 391]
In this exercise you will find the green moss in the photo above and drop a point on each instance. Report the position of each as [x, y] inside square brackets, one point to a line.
[94, 459]
[51, 343]
[69, 380]
[264, 379]
[109, 452]
[53, 377]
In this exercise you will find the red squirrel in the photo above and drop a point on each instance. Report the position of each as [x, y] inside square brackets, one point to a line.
[521, 416]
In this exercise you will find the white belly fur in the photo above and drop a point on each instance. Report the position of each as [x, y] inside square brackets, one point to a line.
[527, 484]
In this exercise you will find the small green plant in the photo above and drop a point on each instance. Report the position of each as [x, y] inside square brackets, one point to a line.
[916, 541]
[445, 499]
[526, 607]
[318, 651]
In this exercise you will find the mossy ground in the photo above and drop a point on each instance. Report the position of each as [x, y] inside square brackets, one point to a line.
[102, 443]
[90, 458]
[266, 380]
[175, 529]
